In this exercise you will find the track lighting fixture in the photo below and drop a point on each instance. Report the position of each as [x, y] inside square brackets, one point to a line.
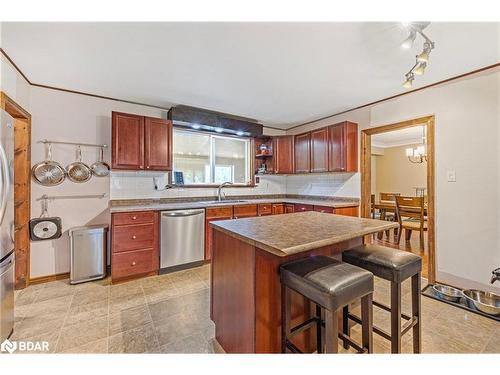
[422, 58]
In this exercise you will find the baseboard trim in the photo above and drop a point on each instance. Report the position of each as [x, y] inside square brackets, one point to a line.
[49, 278]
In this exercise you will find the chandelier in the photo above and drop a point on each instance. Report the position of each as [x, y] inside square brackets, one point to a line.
[422, 59]
[418, 154]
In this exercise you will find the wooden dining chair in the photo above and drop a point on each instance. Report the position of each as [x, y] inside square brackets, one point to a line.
[375, 214]
[410, 213]
[389, 216]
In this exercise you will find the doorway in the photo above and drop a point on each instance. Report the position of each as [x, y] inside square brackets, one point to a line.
[22, 188]
[416, 152]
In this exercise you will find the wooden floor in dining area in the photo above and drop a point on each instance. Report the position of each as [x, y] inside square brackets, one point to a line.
[413, 246]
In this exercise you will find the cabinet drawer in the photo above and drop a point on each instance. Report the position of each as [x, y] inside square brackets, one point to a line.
[265, 209]
[124, 218]
[247, 210]
[226, 212]
[133, 237]
[324, 209]
[348, 211]
[133, 263]
[303, 207]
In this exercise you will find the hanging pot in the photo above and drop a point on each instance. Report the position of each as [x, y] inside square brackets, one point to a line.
[48, 172]
[100, 168]
[78, 171]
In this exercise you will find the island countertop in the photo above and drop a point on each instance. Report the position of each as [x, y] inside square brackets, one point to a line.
[289, 234]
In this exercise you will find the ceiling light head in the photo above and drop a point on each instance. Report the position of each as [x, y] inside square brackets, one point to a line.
[420, 69]
[409, 80]
[423, 57]
[408, 42]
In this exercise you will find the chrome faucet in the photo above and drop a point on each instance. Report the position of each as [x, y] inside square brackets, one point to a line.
[495, 275]
[220, 194]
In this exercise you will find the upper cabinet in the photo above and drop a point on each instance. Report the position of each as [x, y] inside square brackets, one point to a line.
[319, 150]
[141, 143]
[343, 147]
[283, 147]
[303, 153]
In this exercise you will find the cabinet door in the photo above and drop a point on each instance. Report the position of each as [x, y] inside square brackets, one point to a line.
[289, 208]
[127, 141]
[209, 236]
[324, 209]
[158, 144]
[283, 150]
[336, 159]
[303, 153]
[347, 211]
[303, 207]
[319, 150]
[278, 209]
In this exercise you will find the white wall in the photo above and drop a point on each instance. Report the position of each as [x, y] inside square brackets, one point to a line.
[58, 115]
[467, 114]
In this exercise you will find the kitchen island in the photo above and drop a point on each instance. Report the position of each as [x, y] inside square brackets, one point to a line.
[245, 285]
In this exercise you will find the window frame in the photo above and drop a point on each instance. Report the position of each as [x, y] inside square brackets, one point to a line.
[249, 164]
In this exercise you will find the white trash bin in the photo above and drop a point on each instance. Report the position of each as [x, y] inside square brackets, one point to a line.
[88, 249]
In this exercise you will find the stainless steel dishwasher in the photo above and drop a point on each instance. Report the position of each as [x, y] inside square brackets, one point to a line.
[182, 238]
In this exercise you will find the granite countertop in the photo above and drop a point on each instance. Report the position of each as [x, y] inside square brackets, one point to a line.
[288, 234]
[160, 206]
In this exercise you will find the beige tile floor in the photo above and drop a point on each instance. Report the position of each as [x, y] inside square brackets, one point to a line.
[170, 314]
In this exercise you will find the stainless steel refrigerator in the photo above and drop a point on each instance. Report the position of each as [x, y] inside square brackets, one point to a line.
[6, 225]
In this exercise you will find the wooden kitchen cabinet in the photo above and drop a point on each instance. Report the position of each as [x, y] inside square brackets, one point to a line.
[141, 143]
[213, 214]
[278, 209]
[343, 147]
[303, 207]
[283, 149]
[158, 144]
[245, 210]
[302, 153]
[347, 211]
[324, 209]
[319, 150]
[289, 208]
[265, 209]
[134, 244]
[127, 138]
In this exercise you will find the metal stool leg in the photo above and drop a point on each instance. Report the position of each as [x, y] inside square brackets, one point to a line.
[285, 316]
[416, 311]
[395, 317]
[345, 324]
[367, 323]
[331, 332]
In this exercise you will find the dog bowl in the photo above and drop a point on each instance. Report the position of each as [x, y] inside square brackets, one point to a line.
[448, 293]
[486, 302]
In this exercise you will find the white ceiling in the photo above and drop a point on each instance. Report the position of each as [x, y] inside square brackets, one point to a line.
[400, 137]
[282, 74]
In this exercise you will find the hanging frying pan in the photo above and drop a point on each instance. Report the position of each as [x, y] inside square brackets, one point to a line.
[48, 172]
[100, 168]
[45, 227]
[78, 172]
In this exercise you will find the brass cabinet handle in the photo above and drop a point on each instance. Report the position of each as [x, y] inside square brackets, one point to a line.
[134, 217]
[133, 263]
[134, 237]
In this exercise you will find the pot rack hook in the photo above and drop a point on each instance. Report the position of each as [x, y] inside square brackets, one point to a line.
[45, 205]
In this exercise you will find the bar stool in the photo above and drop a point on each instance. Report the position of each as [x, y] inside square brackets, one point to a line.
[330, 284]
[395, 266]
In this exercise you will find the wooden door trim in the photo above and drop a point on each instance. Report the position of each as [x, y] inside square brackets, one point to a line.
[429, 122]
[22, 189]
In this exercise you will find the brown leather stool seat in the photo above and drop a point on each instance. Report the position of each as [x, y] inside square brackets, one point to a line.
[386, 263]
[331, 285]
[395, 266]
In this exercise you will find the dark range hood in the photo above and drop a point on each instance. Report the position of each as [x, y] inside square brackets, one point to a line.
[222, 123]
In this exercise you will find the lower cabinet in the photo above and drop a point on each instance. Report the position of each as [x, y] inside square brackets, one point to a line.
[213, 214]
[324, 209]
[303, 207]
[265, 209]
[245, 210]
[289, 208]
[348, 211]
[278, 209]
[134, 244]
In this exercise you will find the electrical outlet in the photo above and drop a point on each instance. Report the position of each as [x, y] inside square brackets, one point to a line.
[451, 176]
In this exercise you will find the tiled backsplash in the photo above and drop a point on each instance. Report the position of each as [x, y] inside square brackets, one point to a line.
[140, 185]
